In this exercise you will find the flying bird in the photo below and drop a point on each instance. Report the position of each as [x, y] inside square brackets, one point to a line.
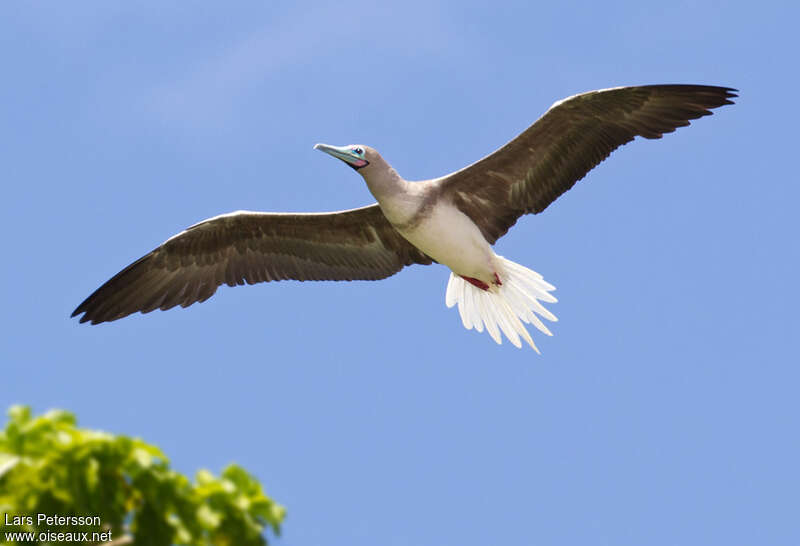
[453, 220]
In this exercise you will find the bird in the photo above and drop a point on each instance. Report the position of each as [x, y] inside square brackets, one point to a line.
[453, 220]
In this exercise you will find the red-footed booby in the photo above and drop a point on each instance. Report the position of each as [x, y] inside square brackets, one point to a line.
[453, 220]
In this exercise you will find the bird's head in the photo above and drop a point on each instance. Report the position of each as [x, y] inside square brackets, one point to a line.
[357, 156]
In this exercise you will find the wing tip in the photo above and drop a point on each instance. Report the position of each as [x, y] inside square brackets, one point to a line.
[88, 316]
[81, 309]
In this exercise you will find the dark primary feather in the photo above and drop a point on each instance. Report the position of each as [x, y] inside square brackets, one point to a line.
[572, 137]
[251, 247]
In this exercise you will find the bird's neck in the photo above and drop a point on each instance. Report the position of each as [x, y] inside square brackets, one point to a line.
[396, 196]
[384, 182]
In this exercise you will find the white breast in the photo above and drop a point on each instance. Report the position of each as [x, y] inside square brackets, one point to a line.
[451, 238]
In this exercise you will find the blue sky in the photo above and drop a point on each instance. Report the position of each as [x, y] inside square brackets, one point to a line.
[664, 409]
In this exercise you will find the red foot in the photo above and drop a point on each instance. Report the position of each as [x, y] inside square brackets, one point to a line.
[480, 284]
[476, 282]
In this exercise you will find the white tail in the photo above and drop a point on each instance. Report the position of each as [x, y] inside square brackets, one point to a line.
[505, 306]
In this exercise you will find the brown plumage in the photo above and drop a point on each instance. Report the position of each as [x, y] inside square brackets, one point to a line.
[524, 176]
[251, 247]
[568, 141]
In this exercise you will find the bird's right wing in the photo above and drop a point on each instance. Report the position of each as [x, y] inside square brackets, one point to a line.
[251, 247]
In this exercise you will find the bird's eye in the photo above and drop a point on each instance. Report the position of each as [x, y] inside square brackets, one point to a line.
[359, 151]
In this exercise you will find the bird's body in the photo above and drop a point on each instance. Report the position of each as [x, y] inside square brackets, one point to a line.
[442, 232]
[453, 220]
[451, 238]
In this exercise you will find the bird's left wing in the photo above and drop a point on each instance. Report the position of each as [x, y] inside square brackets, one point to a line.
[251, 247]
[569, 140]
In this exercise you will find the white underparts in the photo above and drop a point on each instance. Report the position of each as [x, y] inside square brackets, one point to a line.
[506, 306]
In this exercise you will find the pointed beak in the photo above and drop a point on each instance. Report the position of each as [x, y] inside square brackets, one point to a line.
[344, 153]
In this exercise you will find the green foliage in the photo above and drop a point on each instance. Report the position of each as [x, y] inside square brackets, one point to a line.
[49, 466]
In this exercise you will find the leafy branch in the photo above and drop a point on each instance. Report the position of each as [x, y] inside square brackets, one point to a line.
[49, 466]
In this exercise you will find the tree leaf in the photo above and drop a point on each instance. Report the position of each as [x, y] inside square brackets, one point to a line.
[48, 465]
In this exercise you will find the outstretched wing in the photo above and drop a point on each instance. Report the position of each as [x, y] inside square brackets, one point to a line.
[251, 247]
[572, 137]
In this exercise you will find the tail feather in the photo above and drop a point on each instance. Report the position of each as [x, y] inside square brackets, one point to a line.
[489, 316]
[519, 304]
[505, 307]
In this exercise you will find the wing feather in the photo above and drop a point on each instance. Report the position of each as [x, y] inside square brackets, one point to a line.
[572, 137]
[252, 247]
